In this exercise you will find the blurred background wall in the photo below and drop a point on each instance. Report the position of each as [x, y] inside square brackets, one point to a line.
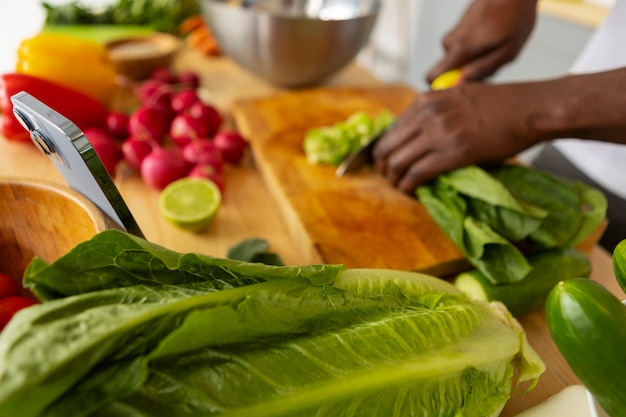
[407, 38]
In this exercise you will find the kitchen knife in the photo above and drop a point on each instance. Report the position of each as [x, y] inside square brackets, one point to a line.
[363, 156]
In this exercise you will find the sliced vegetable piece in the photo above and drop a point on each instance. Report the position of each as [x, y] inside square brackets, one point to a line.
[529, 294]
[588, 325]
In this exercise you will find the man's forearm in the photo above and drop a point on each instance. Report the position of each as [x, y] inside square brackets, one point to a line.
[586, 106]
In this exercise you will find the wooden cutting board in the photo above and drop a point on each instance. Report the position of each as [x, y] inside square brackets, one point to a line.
[358, 220]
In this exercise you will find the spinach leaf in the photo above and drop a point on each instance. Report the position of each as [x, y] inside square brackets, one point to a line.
[490, 214]
[254, 250]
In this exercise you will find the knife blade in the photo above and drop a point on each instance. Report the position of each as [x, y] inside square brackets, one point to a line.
[361, 157]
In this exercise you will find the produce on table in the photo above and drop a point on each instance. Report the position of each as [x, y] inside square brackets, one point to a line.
[619, 264]
[163, 166]
[117, 124]
[198, 36]
[548, 268]
[174, 133]
[10, 299]
[190, 203]
[76, 63]
[105, 145]
[231, 144]
[332, 144]
[130, 327]
[134, 151]
[203, 152]
[588, 325]
[161, 15]
[208, 172]
[254, 250]
[8, 286]
[491, 213]
[9, 306]
[81, 109]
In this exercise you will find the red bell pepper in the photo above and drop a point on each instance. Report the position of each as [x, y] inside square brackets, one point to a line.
[82, 110]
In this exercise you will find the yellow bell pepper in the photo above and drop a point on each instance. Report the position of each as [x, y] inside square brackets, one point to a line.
[76, 63]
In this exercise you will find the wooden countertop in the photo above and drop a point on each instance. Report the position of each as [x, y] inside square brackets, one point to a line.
[249, 211]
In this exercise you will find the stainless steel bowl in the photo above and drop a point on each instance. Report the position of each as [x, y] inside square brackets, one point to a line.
[291, 43]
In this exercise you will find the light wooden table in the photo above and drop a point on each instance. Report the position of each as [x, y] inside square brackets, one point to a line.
[248, 210]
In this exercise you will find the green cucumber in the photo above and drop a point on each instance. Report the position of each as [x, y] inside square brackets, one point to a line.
[619, 264]
[528, 295]
[588, 325]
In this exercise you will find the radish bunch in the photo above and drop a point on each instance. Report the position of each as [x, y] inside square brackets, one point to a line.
[171, 134]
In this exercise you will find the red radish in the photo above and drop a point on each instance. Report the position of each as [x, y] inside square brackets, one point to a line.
[189, 79]
[231, 144]
[209, 115]
[182, 100]
[117, 124]
[163, 166]
[208, 172]
[152, 92]
[148, 124]
[105, 146]
[203, 152]
[185, 129]
[8, 286]
[11, 305]
[163, 74]
[134, 151]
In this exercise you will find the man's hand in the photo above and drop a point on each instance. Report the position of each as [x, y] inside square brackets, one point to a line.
[471, 124]
[477, 123]
[490, 34]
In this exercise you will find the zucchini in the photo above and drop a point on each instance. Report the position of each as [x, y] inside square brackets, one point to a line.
[619, 264]
[528, 295]
[588, 325]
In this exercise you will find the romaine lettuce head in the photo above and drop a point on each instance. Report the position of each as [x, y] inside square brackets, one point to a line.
[296, 341]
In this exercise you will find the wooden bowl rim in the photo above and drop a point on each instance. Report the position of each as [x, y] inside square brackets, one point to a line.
[170, 45]
[96, 216]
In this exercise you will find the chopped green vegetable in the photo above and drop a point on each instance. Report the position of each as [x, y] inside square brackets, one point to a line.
[490, 214]
[230, 338]
[330, 145]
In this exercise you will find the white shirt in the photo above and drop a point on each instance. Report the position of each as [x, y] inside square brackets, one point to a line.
[605, 163]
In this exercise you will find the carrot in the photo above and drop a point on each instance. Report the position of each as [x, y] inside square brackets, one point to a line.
[198, 36]
[190, 24]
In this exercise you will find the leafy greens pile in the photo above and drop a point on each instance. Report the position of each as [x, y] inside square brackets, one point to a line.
[128, 328]
[490, 214]
[161, 15]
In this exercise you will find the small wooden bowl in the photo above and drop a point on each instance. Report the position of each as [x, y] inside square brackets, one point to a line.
[42, 219]
[136, 57]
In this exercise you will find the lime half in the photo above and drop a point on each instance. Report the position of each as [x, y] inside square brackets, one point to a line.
[190, 203]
